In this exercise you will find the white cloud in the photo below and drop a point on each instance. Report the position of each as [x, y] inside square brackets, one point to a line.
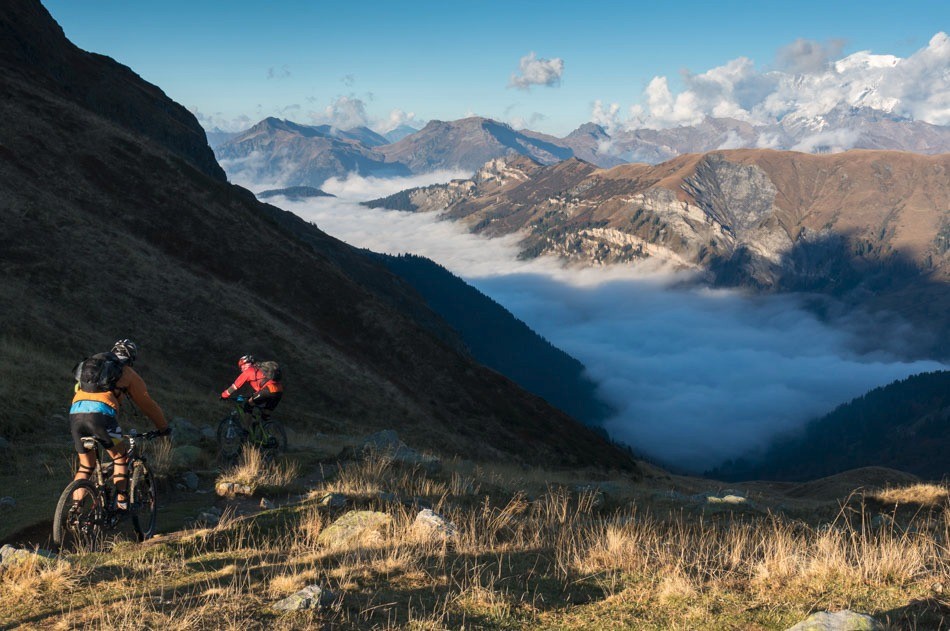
[806, 83]
[696, 375]
[219, 121]
[345, 112]
[395, 119]
[805, 55]
[537, 71]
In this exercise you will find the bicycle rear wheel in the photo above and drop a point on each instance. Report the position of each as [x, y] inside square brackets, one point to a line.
[230, 439]
[275, 437]
[143, 501]
[78, 525]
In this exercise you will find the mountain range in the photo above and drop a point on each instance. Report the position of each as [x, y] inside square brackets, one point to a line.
[872, 227]
[291, 154]
[119, 223]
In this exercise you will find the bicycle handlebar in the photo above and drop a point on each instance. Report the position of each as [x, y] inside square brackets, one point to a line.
[149, 435]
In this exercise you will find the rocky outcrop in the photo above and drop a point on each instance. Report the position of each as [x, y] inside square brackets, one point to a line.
[845, 620]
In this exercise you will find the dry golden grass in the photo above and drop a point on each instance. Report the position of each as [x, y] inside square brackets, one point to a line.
[555, 560]
[924, 495]
[256, 471]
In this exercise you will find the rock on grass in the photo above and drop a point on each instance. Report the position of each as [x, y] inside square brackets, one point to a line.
[356, 528]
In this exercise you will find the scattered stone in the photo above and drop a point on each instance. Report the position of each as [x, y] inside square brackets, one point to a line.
[185, 432]
[333, 500]
[310, 597]
[839, 621]
[266, 504]
[7, 502]
[10, 555]
[387, 443]
[356, 527]
[230, 489]
[209, 434]
[726, 499]
[431, 525]
[191, 480]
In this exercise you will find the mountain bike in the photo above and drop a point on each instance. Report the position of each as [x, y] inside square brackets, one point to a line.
[248, 426]
[82, 523]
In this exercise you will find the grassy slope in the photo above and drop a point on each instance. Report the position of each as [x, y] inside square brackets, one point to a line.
[531, 553]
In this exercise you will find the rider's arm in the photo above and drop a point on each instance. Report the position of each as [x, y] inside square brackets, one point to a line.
[240, 381]
[131, 382]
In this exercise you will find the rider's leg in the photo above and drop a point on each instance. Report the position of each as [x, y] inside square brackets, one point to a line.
[87, 465]
[120, 477]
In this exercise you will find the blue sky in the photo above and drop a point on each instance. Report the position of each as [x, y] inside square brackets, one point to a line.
[294, 58]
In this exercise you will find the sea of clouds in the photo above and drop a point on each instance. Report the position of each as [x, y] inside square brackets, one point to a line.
[696, 375]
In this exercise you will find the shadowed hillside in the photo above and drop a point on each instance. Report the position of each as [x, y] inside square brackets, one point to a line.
[118, 223]
[904, 425]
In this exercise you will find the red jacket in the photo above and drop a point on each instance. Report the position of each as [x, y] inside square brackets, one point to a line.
[252, 376]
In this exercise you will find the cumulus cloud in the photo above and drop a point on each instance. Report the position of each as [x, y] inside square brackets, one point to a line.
[537, 71]
[809, 80]
[396, 118]
[526, 122]
[806, 55]
[696, 375]
[345, 112]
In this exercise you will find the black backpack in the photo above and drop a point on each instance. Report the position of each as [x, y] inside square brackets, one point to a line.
[271, 371]
[99, 373]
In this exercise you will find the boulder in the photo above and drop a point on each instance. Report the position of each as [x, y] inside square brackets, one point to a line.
[387, 443]
[186, 456]
[4, 443]
[266, 504]
[209, 434]
[333, 500]
[10, 555]
[191, 480]
[185, 432]
[310, 597]
[845, 620]
[433, 526]
[7, 502]
[355, 528]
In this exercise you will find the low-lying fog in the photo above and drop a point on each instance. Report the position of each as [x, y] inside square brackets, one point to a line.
[697, 375]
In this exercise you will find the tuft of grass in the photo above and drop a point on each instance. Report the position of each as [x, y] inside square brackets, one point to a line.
[926, 495]
[259, 473]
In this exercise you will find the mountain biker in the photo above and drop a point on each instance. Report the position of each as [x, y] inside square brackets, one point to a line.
[267, 392]
[101, 381]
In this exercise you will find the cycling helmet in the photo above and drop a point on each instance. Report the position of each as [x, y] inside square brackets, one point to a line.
[125, 349]
[245, 361]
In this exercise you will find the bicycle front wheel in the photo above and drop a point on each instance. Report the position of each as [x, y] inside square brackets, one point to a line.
[79, 518]
[143, 502]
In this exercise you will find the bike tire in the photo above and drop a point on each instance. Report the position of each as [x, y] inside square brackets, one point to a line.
[143, 502]
[82, 528]
[230, 438]
[275, 430]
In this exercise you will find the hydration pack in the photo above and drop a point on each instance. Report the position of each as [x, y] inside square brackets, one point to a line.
[99, 373]
[271, 371]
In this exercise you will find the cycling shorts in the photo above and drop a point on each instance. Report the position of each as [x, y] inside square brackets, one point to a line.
[101, 426]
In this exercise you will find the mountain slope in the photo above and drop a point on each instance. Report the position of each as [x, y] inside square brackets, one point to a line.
[467, 144]
[500, 341]
[904, 425]
[112, 232]
[283, 152]
[868, 226]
